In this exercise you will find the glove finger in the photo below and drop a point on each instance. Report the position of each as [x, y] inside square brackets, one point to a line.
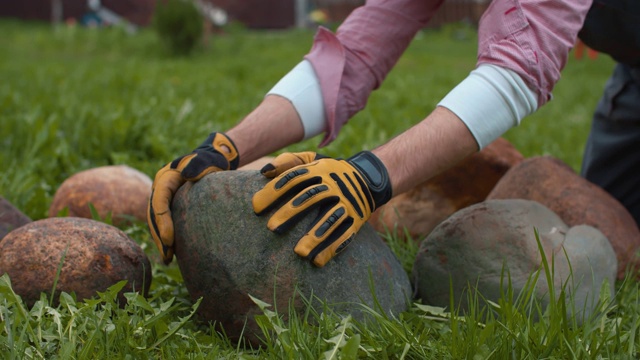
[166, 183]
[282, 188]
[328, 237]
[221, 141]
[323, 257]
[166, 251]
[286, 161]
[195, 166]
[296, 208]
[329, 218]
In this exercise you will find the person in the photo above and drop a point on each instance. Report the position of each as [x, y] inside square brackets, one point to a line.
[611, 153]
[522, 47]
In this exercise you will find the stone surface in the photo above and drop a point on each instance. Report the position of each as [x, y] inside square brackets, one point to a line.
[473, 245]
[119, 189]
[577, 201]
[420, 209]
[97, 256]
[226, 253]
[10, 217]
[257, 164]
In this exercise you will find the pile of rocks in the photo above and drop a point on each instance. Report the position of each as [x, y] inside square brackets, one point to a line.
[491, 220]
[479, 219]
[91, 254]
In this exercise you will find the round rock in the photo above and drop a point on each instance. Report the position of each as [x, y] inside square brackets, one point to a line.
[576, 200]
[94, 256]
[119, 189]
[226, 253]
[477, 246]
[10, 217]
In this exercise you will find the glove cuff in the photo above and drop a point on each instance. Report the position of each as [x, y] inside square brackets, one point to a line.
[375, 175]
[219, 139]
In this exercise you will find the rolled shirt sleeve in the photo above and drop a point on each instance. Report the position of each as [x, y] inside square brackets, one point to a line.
[530, 38]
[302, 88]
[490, 101]
[353, 62]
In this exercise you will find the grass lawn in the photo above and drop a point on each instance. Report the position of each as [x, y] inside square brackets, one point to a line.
[73, 99]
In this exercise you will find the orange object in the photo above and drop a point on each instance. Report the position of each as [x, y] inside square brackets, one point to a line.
[580, 48]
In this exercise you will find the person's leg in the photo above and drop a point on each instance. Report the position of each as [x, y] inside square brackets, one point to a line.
[612, 154]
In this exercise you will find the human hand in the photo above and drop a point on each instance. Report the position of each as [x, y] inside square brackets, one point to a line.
[346, 191]
[217, 153]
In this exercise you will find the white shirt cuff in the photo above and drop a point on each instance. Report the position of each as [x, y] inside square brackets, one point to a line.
[302, 88]
[490, 101]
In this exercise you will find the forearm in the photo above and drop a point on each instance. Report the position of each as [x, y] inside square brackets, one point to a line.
[428, 148]
[273, 125]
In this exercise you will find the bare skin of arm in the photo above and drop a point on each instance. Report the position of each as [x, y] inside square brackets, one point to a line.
[274, 124]
[428, 148]
[425, 150]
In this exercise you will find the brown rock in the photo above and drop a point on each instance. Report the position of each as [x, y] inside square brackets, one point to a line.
[94, 255]
[419, 210]
[10, 217]
[120, 190]
[577, 201]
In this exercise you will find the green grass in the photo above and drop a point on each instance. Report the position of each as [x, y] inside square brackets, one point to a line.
[73, 99]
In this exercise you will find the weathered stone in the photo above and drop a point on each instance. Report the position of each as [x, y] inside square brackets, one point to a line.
[226, 253]
[483, 244]
[257, 164]
[10, 217]
[420, 209]
[120, 190]
[577, 201]
[95, 256]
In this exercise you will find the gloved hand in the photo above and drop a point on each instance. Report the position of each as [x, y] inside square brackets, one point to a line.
[346, 191]
[286, 161]
[217, 153]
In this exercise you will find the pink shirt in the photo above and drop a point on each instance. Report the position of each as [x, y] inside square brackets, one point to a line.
[530, 37]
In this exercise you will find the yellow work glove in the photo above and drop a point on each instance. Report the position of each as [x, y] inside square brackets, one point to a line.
[217, 153]
[286, 161]
[345, 191]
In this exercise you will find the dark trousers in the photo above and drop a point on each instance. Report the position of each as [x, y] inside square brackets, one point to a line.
[612, 154]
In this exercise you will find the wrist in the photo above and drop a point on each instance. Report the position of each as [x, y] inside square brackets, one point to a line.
[375, 175]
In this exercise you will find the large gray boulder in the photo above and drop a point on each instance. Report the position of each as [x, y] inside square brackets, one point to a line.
[226, 253]
[479, 245]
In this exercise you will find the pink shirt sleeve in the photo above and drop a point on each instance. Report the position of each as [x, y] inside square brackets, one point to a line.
[355, 61]
[530, 37]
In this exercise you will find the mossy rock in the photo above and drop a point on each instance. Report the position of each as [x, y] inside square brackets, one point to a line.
[226, 254]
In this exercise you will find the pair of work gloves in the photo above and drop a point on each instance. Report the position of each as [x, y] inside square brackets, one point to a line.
[346, 191]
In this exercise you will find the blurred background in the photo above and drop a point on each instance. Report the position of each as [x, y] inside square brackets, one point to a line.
[255, 14]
